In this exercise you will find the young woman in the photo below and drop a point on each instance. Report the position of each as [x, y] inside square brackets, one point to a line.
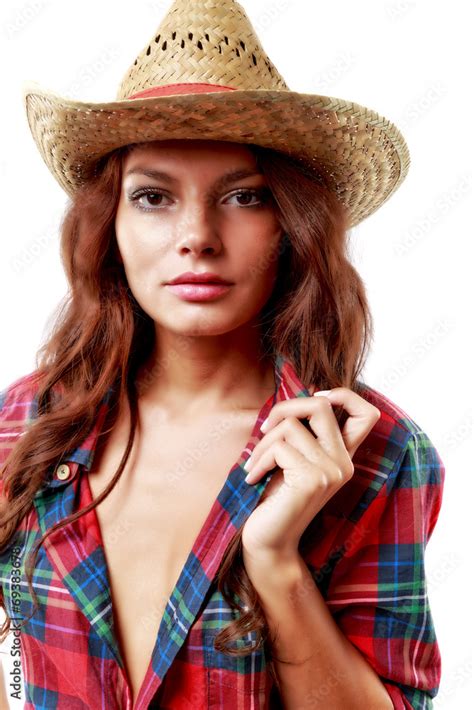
[211, 296]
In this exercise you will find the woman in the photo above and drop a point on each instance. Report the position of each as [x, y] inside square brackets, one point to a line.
[162, 576]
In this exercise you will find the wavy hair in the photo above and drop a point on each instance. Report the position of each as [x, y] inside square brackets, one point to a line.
[317, 317]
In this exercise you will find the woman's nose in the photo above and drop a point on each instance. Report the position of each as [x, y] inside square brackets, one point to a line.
[197, 230]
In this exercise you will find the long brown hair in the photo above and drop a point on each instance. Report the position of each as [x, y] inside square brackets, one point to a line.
[317, 317]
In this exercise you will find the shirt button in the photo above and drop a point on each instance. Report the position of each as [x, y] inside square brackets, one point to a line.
[63, 471]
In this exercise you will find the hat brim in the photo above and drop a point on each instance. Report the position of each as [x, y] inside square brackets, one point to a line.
[362, 155]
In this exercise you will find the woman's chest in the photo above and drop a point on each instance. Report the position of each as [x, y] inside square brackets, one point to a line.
[159, 504]
[151, 519]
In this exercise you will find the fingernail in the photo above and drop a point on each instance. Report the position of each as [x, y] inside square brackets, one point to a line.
[264, 425]
[247, 464]
[322, 393]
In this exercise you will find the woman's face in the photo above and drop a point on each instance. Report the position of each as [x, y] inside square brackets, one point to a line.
[195, 216]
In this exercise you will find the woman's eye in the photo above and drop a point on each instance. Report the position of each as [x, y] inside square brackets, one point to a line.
[152, 199]
[247, 195]
[148, 200]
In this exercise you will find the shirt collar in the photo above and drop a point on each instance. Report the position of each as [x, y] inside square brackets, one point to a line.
[287, 386]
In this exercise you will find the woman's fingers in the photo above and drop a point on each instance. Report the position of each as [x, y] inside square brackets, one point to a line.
[293, 432]
[362, 417]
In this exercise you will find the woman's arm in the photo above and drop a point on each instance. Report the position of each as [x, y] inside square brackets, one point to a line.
[366, 569]
[330, 672]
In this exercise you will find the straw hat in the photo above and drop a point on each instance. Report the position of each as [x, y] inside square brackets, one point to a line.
[204, 74]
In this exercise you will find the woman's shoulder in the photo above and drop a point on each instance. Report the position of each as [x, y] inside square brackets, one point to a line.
[405, 453]
[17, 410]
[392, 413]
[17, 393]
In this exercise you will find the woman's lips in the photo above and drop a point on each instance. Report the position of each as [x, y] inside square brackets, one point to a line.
[198, 291]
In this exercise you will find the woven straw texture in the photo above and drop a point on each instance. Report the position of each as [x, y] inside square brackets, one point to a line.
[362, 155]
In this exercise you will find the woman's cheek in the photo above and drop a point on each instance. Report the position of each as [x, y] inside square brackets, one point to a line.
[265, 266]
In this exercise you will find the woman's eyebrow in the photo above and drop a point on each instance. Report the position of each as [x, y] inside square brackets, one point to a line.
[220, 183]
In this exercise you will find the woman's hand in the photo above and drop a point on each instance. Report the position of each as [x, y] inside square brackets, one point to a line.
[313, 466]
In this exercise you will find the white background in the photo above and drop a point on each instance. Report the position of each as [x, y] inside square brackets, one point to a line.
[406, 60]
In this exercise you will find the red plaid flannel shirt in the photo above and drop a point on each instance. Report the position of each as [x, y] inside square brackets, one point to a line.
[365, 550]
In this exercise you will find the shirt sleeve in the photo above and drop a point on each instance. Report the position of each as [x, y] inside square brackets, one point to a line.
[378, 592]
[3, 449]
[2, 460]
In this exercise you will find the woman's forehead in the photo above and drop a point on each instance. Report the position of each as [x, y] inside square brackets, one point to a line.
[180, 148]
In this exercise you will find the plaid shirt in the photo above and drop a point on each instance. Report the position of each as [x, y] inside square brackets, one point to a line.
[365, 550]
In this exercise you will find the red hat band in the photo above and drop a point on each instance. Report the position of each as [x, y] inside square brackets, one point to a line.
[183, 88]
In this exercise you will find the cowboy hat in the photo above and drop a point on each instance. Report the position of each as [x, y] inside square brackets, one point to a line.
[204, 74]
